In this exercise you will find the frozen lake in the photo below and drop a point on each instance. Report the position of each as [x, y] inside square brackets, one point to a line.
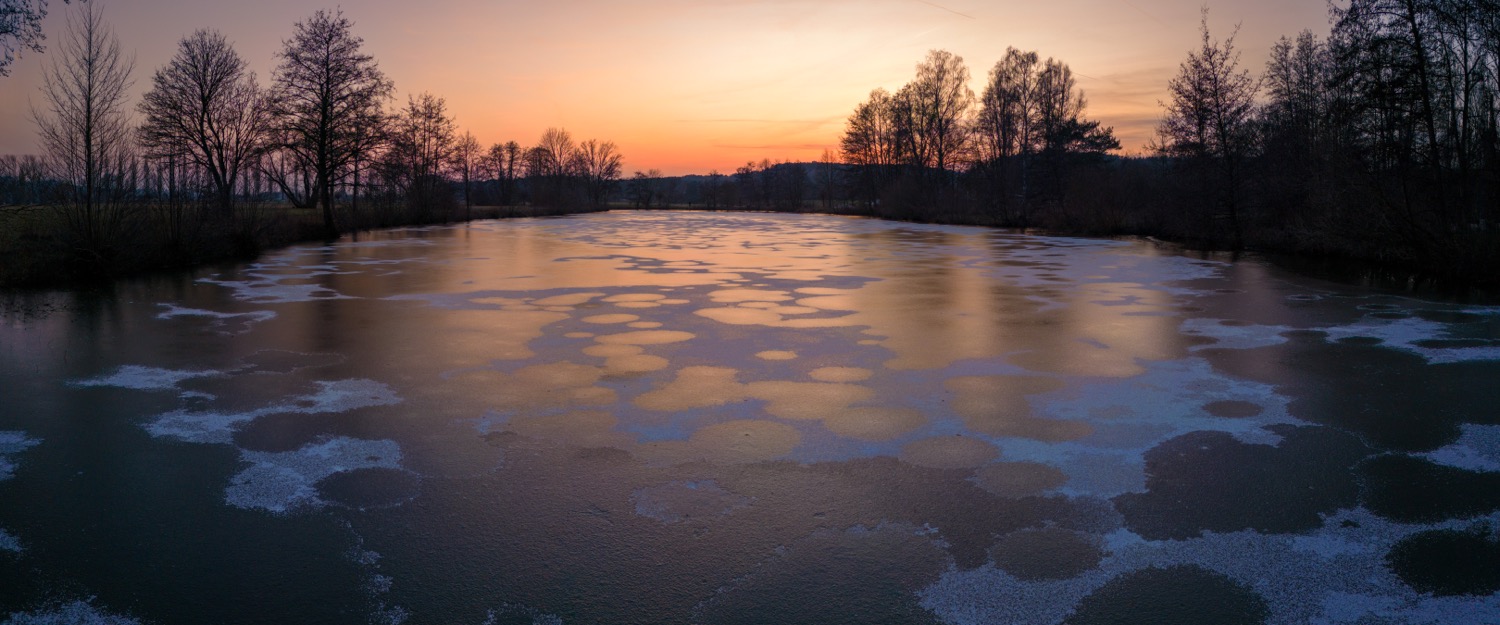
[650, 417]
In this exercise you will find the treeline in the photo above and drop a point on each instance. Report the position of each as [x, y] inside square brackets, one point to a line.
[218, 164]
[1377, 142]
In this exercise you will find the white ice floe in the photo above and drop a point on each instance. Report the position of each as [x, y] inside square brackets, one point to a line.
[1478, 449]
[1408, 335]
[282, 482]
[9, 542]
[1336, 575]
[219, 319]
[11, 443]
[1233, 336]
[265, 289]
[142, 378]
[210, 426]
[1128, 417]
[74, 613]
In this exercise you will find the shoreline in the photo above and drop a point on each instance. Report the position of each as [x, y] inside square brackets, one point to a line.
[1342, 269]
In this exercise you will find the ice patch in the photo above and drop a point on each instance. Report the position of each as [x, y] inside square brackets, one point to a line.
[219, 319]
[211, 427]
[142, 378]
[11, 443]
[1333, 576]
[1409, 335]
[9, 542]
[1478, 449]
[1233, 336]
[283, 482]
[75, 613]
[512, 612]
[264, 289]
[1130, 416]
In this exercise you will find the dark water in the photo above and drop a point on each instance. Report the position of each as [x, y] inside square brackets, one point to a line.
[734, 418]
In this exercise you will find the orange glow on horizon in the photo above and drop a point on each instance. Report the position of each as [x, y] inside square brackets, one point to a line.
[689, 86]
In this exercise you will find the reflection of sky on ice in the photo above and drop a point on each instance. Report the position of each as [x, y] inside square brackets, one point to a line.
[1040, 365]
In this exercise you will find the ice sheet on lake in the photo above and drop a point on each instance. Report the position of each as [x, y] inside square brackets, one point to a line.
[11, 443]
[1333, 576]
[209, 426]
[1233, 336]
[1478, 449]
[281, 482]
[142, 378]
[265, 287]
[1130, 416]
[73, 613]
[1416, 335]
[219, 319]
[1435, 341]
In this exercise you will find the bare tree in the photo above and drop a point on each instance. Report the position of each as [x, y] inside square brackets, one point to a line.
[557, 146]
[1008, 107]
[422, 145]
[327, 93]
[84, 129]
[20, 29]
[600, 164]
[205, 105]
[466, 163]
[1209, 117]
[940, 99]
[554, 168]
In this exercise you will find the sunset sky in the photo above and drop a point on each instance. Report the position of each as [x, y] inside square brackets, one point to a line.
[687, 86]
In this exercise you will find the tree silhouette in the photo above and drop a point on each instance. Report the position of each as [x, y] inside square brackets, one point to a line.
[1208, 119]
[20, 29]
[940, 99]
[600, 165]
[84, 130]
[421, 146]
[326, 95]
[205, 105]
[466, 158]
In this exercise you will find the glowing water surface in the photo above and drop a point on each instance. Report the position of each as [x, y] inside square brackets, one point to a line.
[741, 418]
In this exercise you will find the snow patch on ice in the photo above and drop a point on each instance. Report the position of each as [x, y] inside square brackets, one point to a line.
[142, 378]
[1332, 576]
[1131, 416]
[1233, 336]
[219, 318]
[284, 482]
[268, 289]
[9, 542]
[209, 426]
[1478, 449]
[11, 443]
[74, 613]
[1408, 335]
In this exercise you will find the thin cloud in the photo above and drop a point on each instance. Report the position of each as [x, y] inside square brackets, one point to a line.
[939, 6]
